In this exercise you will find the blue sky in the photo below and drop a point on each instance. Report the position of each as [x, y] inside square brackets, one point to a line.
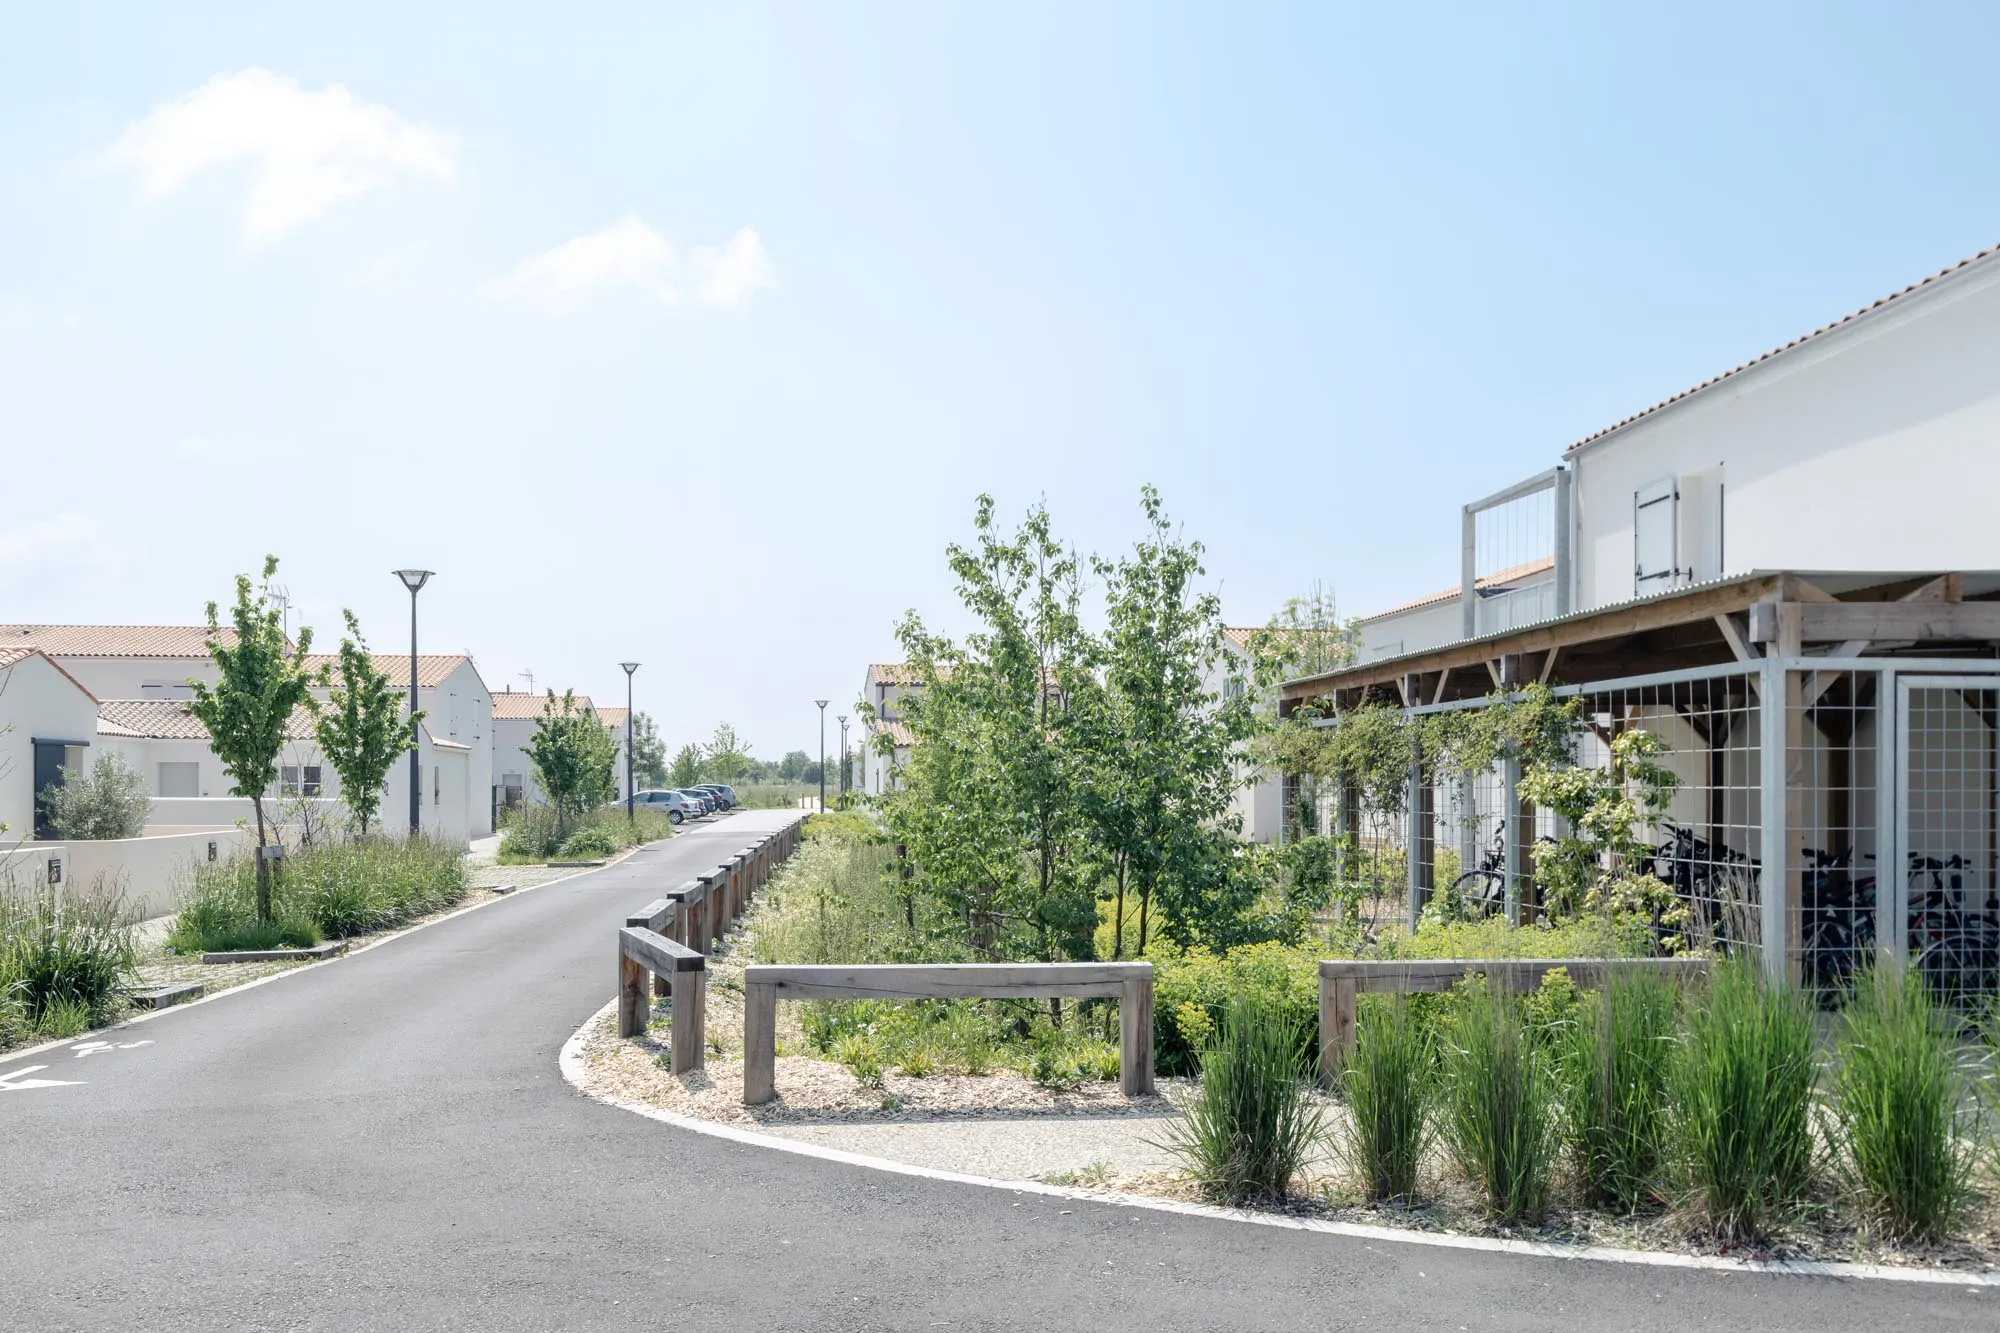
[689, 333]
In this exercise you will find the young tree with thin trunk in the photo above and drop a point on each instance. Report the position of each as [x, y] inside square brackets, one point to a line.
[686, 770]
[361, 728]
[574, 759]
[649, 752]
[263, 681]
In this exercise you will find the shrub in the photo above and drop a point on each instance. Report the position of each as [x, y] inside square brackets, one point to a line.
[591, 840]
[63, 955]
[331, 891]
[106, 800]
[528, 831]
[1252, 1125]
[1188, 987]
[1497, 1104]
[862, 1059]
[1904, 1128]
[844, 826]
[1614, 1064]
[1742, 1083]
[835, 901]
[1389, 1084]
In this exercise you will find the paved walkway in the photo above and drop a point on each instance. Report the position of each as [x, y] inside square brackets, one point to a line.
[385, 1143]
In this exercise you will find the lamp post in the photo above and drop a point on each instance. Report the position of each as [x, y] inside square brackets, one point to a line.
[630, 667]
[414, 580]
[843, 761]
[822, 752]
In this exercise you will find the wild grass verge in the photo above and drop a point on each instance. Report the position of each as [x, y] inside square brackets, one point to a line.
[66, 959]
[331, 891]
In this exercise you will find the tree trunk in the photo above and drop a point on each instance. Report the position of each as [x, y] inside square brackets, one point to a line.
[263, 866]
[1145, 907]
[1118, 929]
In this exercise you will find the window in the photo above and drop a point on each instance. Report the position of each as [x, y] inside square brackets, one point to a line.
[180, 779]
[309, 783]
[1655, 539]
[1232, 689]
[288, 780]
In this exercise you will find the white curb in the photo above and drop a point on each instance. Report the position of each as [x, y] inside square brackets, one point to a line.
[571, 1063]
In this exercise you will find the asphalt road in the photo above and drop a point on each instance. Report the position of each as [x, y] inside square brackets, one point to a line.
[385, 1142]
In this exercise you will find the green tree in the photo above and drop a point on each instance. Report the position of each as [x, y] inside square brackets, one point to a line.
[573, 757]
[649, 752]
[1166, 755]
[726, 757]
[991, 806]
[686, 768]
[792, 768]
[106, 800]
[263, 681]
[361, 728]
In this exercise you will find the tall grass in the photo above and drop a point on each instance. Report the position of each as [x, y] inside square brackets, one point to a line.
[530, 833]
[1905, 1130]
[1253, 1124]
[1615, 1063]
[65, 958]
[1742, 1085]
[1390, 1084]
[1498, 1108]
[834, 901]
[329, 891]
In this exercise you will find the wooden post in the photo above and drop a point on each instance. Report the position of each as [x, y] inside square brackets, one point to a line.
[760, 1044]
[1343, 1021]
[1329, 1051]
[690, 1019]
[633, 1007]
[1135, 1036]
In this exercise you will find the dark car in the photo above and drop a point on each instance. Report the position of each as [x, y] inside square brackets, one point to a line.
[704, 801]
[725, 797]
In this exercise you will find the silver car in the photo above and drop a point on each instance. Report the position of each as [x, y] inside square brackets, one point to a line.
[673, 804]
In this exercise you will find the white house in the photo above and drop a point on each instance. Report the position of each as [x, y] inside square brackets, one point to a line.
[514, 714]
[1866, 444]
[458, 711]
[1259, 801]
[48, 721]
[616, 720]
[881, 690]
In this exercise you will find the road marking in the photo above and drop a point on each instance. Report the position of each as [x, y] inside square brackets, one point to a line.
[100, 1047]
[16, 1080]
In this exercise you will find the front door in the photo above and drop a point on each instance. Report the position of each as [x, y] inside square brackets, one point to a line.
[54, 761]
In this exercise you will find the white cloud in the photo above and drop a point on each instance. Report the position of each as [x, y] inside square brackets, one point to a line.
[633, 256]
[731, 275]
[307, 150]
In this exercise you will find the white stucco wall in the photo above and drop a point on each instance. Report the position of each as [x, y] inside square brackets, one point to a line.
[138, 677]
[1869, 449]
[37, 702]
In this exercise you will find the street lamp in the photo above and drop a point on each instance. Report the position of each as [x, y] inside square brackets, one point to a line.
[630, 667]
[843, 761]
[414, 580]
[822, 751]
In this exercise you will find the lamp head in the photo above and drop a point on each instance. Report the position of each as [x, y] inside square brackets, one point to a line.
[822, 704]
[630, 667]
[413, 579]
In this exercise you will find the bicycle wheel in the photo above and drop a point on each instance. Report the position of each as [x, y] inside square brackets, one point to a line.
[1479, 892]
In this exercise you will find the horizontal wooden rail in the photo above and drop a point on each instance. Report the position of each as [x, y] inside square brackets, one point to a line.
[672, 936]
[641, 951]
[765, 984]
[1341, 980]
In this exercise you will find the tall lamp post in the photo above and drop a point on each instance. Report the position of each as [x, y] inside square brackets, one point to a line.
[630, 667]
[414, 580]
[822, 751]
[843, 761]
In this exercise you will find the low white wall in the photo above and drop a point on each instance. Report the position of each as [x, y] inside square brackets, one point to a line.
[198, 812]
[151, 870]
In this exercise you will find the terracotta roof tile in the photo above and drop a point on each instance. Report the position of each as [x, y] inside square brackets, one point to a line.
[1822, 331]
[613, 717]
[114, 640]
[522, 705]
[1497, 579]
[896, 729]
[170, 720]
[433, 669]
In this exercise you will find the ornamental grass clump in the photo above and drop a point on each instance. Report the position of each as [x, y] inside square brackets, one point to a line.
[1390, 1083]
[1253, 1123]
[65, 958]
[1741, 1096]
[1615, 1061]
[1498, 1104]
[1905, 1130]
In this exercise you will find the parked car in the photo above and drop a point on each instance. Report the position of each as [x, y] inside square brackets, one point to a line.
[725, 796]
[703, 801]
[677, 806]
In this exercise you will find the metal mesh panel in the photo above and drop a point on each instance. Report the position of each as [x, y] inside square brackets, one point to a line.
[1834, 834]
[1949, 833]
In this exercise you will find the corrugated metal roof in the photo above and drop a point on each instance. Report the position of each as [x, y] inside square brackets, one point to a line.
[1956, 269]
[114, 640]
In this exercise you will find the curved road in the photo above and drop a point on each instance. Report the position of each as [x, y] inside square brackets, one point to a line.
[385, 1143]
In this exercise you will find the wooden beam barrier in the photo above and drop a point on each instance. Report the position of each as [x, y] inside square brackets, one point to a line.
[765, 984]
[1342, 980]
[640, 951]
